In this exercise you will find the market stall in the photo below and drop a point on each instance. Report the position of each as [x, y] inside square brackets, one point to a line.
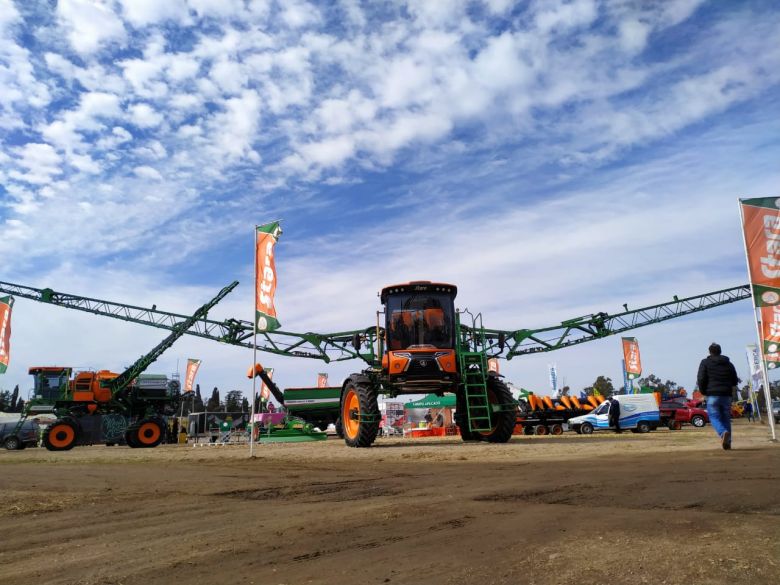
[430, 416]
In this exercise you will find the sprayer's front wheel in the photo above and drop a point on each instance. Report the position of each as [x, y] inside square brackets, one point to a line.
[462, 417]
[359, 413]
[61, 435]
[503, 411]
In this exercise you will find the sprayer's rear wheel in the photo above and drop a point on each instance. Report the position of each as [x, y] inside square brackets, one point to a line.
[359, 413]
[149, 433]
[61, 435]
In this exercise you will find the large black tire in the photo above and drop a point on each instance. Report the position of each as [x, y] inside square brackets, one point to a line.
[131, 436]
[62, 435]
[359, 399]
[504, 413]
[149, 433]
[462, 419]
[13, 443]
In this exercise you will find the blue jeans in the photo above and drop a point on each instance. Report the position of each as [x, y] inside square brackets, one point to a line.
[719, 409]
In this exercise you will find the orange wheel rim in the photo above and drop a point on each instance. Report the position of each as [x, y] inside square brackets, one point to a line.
[351, 404]
[61, 435]
[148, 433]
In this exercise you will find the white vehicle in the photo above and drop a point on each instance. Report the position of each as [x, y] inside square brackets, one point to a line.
[638, 413]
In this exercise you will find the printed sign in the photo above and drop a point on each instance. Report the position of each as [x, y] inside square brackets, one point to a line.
[6, 305]
[322, 380]
[631, 355]
[189, 376]
[553, 378]
[265, 277]
[265, 392]
[761, 225]
[493, 365]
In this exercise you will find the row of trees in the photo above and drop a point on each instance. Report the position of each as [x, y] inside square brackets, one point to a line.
[11, 401]
[603, 385]
[234, 401]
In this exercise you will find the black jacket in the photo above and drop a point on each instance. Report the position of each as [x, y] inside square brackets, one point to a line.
[717, 376]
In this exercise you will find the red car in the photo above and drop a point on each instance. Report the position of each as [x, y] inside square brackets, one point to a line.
[673, 412]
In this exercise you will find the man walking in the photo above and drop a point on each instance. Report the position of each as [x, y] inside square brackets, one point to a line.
[717, 379]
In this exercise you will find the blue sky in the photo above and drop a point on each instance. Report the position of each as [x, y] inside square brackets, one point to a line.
[550, 158]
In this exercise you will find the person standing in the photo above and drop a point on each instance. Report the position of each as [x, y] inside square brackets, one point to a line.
[749, 411]
[717, 379]
[614, 414]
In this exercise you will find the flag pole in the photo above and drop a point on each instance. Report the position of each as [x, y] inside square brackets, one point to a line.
[767, 395]
[254, 357]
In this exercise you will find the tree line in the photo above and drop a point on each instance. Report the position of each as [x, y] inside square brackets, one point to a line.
[11, 401]
[234, 401]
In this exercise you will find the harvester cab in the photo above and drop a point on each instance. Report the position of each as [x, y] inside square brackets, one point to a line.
[420, 337]
[50, 384]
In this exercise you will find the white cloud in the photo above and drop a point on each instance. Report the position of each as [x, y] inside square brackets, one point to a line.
[235, 127]
[142, 13]
[298, 14]
[229, 76]
[330, 152]
[90, 24]
[146, 172]
[217, 8]
[40, 162]
[144, 116]
[9, 15]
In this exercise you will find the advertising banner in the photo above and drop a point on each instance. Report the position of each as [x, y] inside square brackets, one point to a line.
[493, 365]
[754, 365]
[265, 392]
[631, 356]
[6, 305]
[553, 378]
[628, 385]
[265, 276]
[761, 225]
[189, 376]
[761, 231]
[322, 380]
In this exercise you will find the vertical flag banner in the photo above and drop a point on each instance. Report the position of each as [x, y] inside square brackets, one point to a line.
[493, 365]
[265, 393]
[628, 385]
[761, 232]
[631, 355]
[265, 276]
[189, 376]
[761, 225]
[553, 378]
[6, 304]
[754, 365]
[322, 380]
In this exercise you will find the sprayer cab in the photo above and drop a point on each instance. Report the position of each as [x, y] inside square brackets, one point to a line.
[419, 336]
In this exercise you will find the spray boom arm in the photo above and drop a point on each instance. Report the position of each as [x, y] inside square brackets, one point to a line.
[347, 345]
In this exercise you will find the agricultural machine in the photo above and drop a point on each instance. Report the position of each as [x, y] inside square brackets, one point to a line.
[542, 415]
[106, 407]
[423, 345]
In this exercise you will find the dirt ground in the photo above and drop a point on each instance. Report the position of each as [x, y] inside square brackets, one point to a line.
[669, 507]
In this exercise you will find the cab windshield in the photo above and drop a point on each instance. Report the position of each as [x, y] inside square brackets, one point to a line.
[420, 320]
